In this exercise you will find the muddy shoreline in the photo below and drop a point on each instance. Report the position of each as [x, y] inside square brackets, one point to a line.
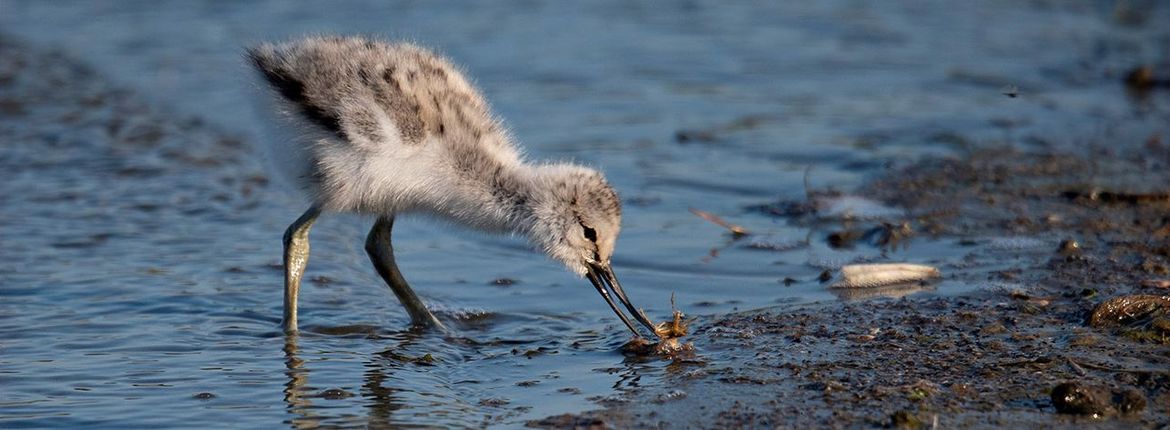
[991, 358]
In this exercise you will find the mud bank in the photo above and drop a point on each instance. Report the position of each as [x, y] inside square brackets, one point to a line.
[1034, 348]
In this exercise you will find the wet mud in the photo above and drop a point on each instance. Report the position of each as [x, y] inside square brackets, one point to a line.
[1079, 337]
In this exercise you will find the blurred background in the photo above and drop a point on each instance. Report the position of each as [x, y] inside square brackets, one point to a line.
[140, 254]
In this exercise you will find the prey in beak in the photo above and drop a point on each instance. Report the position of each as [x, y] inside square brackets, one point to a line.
[602, 277]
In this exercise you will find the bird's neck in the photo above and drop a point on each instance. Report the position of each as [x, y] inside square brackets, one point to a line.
[503, 200]
[514, 194]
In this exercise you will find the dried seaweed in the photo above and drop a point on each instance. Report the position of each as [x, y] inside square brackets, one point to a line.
[736, 230]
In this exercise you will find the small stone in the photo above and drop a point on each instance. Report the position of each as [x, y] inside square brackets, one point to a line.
[1069, 246]
[334, 394]
[825, 276]
[1077, 398]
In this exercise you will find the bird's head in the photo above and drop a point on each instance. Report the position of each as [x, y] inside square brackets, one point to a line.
[576, 221]
[577, 218]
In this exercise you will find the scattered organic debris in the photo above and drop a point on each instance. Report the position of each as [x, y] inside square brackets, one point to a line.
[1126, 309]
[879, 275]
[736, 231]
[1078, 398]
[1140, 317]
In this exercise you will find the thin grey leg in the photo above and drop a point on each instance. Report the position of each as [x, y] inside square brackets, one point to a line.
[296, 257]
[381, 253]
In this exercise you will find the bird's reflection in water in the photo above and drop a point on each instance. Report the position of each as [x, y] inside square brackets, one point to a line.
[630, 376]
[407, 381]
[296, 390]
[381, 400]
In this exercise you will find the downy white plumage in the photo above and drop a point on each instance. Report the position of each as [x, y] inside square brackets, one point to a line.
[385, 129]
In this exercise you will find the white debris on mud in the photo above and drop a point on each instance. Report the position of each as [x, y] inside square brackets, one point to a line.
[878, 275]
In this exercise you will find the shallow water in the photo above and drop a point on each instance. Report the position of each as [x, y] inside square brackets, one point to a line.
[140, 278]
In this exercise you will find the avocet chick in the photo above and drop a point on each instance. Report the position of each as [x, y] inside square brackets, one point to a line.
[390, 128]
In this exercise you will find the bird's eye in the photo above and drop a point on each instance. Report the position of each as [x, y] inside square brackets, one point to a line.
[590, 233]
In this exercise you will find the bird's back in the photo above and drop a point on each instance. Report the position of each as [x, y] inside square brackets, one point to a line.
[371, 114]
